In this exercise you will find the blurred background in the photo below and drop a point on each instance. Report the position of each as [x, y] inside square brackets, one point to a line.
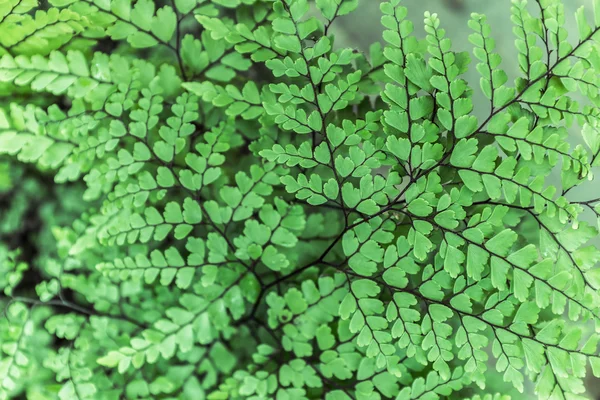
[362, 28]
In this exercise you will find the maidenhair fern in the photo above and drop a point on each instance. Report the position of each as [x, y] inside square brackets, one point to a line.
[207, 199]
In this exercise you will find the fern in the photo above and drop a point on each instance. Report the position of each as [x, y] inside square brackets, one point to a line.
[210, 200]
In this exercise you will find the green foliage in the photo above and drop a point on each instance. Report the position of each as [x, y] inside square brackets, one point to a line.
[207, 199]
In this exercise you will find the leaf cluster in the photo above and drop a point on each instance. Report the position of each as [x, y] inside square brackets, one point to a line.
[209, 199]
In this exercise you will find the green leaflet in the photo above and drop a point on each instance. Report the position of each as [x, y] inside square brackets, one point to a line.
[212, 200]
